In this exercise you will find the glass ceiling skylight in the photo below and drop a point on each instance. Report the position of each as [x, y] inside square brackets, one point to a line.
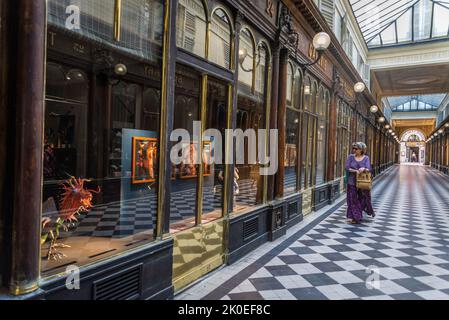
[430, 102]
[392, 22]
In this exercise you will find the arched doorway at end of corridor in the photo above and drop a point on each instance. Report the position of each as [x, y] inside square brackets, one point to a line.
[413, 147]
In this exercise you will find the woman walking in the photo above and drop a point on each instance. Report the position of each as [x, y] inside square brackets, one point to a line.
[358, 200]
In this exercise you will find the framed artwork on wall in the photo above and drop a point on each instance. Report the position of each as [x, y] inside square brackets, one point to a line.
[144, 160]
[207, 155]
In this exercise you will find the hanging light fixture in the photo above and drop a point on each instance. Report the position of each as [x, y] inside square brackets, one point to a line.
[387, 126]
[440, 131]
[381, 119]
[447, 125]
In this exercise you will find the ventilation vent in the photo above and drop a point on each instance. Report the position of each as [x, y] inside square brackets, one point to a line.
[250, 228]
[123, 286]
[292, 210]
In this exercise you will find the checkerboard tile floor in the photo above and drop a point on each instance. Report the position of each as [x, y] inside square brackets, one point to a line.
[401, 254]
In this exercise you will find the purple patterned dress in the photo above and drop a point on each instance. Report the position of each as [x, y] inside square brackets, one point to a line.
[358, 200]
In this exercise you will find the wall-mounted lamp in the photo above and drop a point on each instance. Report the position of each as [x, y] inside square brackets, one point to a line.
[359, 87]
[440, 131]
[120, 69]
[374, 109]
[381, 120]
[435, 134]
[321, 41]
[387, 126]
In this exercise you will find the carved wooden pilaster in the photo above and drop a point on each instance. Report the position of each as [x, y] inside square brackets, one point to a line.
[281, 122]
[29, 140]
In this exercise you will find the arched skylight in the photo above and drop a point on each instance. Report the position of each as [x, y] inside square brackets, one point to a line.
[392, 22]
[429, 102]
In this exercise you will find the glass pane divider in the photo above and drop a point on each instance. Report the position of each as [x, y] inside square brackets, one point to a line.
[199, 213]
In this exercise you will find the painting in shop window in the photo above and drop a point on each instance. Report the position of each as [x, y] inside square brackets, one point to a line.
[144, 160]
[188, 168]
[290, 155]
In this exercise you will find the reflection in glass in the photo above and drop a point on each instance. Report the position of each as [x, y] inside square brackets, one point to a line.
[141, 23]
[110, 222]
[214, 173]
[289, 83]
[297, 91]
[251, 114]
[220, 39]
[184, 176]
[292, 132]
[101, 136]
[191, 27]
[291, 151]
[310, 121]
[246, 60]
[321, 137]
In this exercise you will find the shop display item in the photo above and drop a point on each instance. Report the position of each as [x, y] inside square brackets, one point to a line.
[76, 199]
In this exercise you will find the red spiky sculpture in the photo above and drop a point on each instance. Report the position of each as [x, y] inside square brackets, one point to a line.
[75, 199]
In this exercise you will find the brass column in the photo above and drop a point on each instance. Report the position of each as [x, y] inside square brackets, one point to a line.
[167, 116]
[28, 150]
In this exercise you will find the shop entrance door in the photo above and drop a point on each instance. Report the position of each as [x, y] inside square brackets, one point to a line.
[198, 207]
[413, 154]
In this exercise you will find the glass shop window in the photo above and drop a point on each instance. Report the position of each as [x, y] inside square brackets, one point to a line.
[322, 136]
[101, 139]
[141, 31]
[185, 173]
[191, 27]
[214, 150]
[220, 39]
[290, 81]
[305, 132]
[292, 135]
[291, 151]
[251, 108]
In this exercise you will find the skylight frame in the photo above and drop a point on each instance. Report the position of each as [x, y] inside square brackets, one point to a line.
[390, 12]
